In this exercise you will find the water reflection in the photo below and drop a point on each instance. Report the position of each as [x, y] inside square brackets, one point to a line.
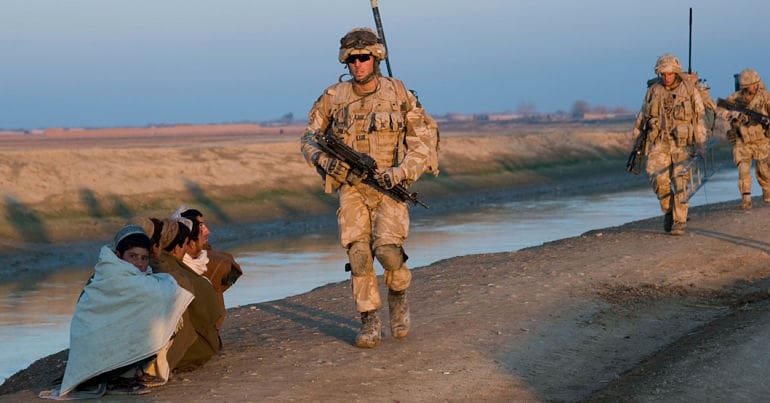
[34, 321]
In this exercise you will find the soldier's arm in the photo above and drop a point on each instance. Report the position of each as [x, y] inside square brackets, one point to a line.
[417, 156]
[318, 121]
[724, 113]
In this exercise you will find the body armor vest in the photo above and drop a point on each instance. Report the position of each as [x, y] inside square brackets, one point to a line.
[672, 114]
[372, 124]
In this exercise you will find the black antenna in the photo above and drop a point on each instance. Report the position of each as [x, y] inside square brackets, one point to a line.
[381, 33]
[689, 50]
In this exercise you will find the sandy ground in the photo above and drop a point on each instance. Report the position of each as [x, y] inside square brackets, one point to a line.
[625, 313]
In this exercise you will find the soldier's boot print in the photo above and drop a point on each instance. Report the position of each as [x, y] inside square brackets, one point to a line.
[746, 201]
[371, 329]
[668, 221]
[400, 322]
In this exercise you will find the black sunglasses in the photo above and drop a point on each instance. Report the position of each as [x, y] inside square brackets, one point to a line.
[361, 58]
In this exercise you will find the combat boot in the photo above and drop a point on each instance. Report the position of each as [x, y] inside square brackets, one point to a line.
[678, 228]
[746, 202]
[668, 221]
[766, 195]
[371, 329]
[400, 322]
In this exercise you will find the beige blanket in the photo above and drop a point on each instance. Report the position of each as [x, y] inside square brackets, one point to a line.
[123, 316]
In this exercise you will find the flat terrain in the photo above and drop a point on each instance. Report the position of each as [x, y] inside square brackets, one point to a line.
[625, 313]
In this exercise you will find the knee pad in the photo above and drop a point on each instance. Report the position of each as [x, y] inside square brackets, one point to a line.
[360, 257]
[391, 257]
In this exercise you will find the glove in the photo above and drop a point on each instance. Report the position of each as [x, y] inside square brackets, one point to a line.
[390, 177]
[740, 119]
[333, 167]
[337, 169]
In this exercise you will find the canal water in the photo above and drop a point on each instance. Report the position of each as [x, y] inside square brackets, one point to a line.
[35, 311]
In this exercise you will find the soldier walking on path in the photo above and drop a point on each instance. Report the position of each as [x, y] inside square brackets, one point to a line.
[672, 119]
[749, 137]
[376, 116]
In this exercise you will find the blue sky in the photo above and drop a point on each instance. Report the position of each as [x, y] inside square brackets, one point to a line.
[93, 63]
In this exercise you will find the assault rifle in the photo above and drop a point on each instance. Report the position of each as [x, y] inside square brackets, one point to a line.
[363, 166]
[754, 116]
[634, 163]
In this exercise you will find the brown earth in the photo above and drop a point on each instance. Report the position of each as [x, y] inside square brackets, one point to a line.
[625, 313]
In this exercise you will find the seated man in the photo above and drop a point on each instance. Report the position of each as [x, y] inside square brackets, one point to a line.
[123, 322]
[198, 338]
[220, 268]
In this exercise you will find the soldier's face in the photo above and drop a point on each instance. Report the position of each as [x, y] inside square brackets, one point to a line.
[668, 78]
[361, 66]
[751, 90]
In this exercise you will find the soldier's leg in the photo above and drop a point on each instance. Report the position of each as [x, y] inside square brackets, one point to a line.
[354, 220]
[680, 206]
[390, 231]
[742, 159]
[397, 277]
[363, 278]
[366, 294]
[763, 177]
[761, 154]
[744, 184]
[658, 165]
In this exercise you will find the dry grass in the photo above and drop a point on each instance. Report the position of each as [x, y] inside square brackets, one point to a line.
[57, 188]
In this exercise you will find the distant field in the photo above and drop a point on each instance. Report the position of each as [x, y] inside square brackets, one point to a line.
[81, 184]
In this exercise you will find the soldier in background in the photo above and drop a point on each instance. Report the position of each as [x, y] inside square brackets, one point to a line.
[750, 139]
[376, 116]
[672, 118]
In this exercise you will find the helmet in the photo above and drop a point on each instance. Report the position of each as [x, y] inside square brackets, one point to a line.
[668, 63]
[747, 78]
[361, 41]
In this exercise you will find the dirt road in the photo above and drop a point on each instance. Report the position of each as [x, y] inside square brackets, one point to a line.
[626, 313]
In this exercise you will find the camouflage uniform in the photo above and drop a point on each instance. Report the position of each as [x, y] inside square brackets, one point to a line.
[675, 129]
[750, 140]
[389, 125]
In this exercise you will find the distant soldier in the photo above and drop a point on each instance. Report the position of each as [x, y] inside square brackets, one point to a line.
[376, 116]
[749, 138]
[672, 119]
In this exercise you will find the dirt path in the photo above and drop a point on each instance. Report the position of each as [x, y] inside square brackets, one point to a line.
[625, 313]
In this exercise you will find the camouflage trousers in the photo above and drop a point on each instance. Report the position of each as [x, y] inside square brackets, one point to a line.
[663, 168]
[743, 155]
[369, 220]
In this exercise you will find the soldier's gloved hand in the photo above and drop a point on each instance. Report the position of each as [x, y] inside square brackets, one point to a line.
[740, 119]
[390, 177]
[333, 167]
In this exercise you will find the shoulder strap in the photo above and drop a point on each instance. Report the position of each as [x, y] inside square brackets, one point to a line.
[400, 88]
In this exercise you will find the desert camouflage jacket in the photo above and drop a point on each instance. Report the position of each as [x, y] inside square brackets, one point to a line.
[674, 117]
[749, 131]
[388, 125]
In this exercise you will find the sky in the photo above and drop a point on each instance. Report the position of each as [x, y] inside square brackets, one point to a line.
[107, 63]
